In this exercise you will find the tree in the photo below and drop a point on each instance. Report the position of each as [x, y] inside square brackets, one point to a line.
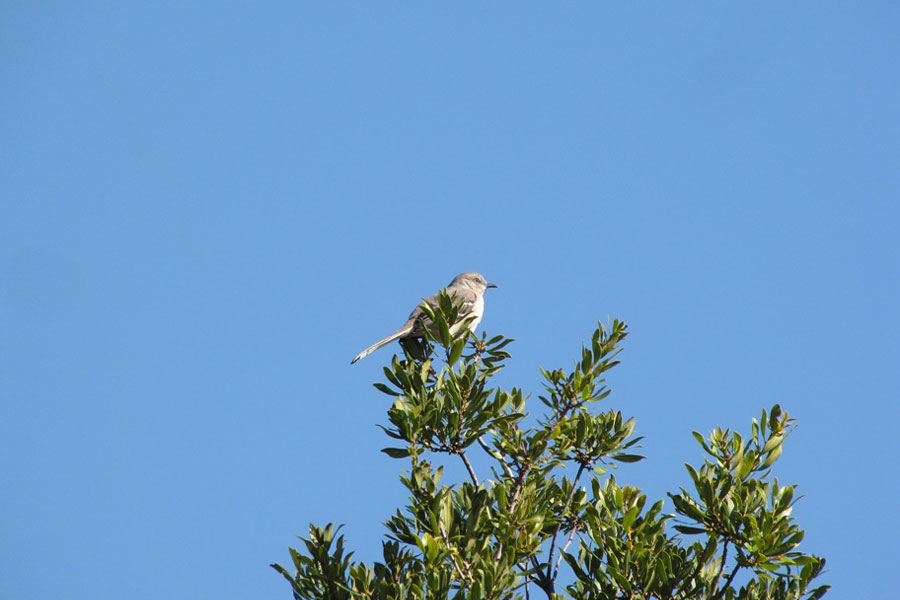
[551, 520]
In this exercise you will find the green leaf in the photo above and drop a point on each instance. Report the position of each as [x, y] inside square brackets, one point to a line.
[628, 458]
[456, 351]
[746, 465]
[385, 389]
[687, 529]
[819, 592]
[772, 457]
[773, 441]
[445, 331]
[429, 546]
[630, 516]
[396, 452]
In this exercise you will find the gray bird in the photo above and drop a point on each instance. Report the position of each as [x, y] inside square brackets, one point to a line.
[468, 287]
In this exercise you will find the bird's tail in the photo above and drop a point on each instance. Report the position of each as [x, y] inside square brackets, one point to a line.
[394, 336]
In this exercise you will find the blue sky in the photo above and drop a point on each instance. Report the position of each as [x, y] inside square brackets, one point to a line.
[207, 209]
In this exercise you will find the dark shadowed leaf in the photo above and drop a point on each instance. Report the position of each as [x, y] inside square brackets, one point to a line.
[687, 529]
[628, 458]
[396, 452]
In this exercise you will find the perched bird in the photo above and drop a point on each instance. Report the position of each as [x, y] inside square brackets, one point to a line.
[468, 287]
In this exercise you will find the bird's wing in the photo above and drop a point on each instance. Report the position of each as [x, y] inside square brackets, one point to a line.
[467, 296]
[469, 300]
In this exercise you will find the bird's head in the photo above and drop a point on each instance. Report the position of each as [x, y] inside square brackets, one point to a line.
[472, 280]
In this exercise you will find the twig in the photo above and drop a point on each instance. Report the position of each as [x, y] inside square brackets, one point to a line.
[564, 548]
[693, 577]
[517, 490]
[457, 567]
[487, 449]
[462, 455]
[559, 525]
[728, 581]
[721, 568]
[459, 570]
[527, 578]
[540, 579]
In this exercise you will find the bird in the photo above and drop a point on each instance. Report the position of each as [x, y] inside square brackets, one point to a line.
[468, 287]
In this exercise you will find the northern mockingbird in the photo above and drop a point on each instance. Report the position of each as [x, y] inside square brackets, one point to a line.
[468, 287]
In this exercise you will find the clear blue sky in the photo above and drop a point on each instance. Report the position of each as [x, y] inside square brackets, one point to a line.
[208, 208]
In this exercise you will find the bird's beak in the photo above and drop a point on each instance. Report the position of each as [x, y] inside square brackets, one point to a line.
[490, 285]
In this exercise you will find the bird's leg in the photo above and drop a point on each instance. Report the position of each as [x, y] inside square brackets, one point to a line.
[417, 348]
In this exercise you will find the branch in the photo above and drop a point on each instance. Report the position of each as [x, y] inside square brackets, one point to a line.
[462, 455]
[517, 489]
[564, 548]
[541, 580]
[559, 525]
[728, 581]
[527, 579]
[462, 575]
[721, 568]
